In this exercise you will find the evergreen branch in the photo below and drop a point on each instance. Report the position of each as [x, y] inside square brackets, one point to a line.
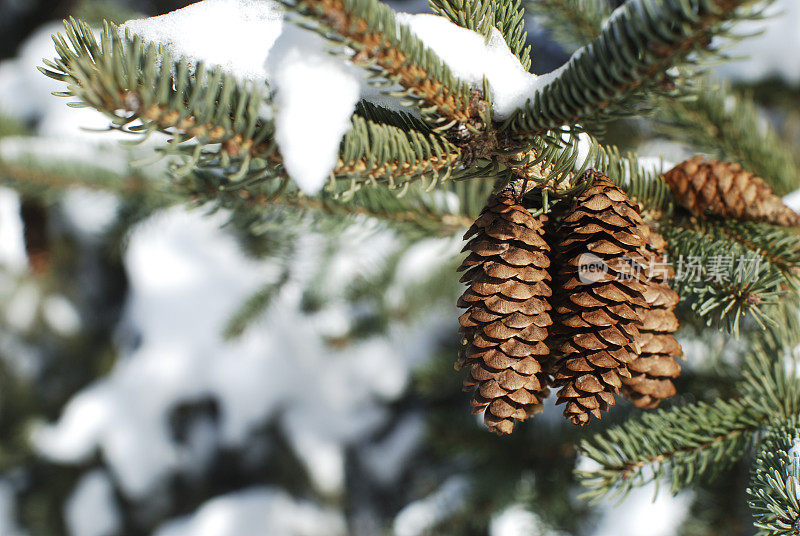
[254, 306]
[482, 15]
[629, 58]
[722, 280]
[391, 51]
[686, 443]
[720, 121]
[768, 380]
[475, 15]
[373, 152]
[775, 483]
[509, 19]
[557, 162]
[713, 117]
[573, 23]
[778, 246]
[448, 210]
[142, 90]
[444, 211]
[38, 181]
[215, 123]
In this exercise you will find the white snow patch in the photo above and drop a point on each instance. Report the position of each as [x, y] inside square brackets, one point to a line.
[654, 164]
[26, 94]
[661, 515]
[61, 315]
[91, 509]
[8, 522]
[21, 309]
[516, 520]
[584, 463]
[257, 512]
[793, 469]
[387, 459]
[670, 151]
[80, 428]
[419, 261]
[316, 95]
[322, 457]
[236, 35]
[774, 52]
[65, 150]
[471, 58]
[242, 37]
[421, 516]
[90, 212]
[584, 149]
[12, 239]
[792, 200]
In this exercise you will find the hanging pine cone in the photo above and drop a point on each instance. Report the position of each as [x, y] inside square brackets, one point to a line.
[506, 321]
[650, 381]
[727, 190]
[596, 325]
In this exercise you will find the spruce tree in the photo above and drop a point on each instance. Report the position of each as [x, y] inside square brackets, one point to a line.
[716, 228]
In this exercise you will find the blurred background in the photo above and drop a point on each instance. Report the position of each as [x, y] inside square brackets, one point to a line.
[164, 373]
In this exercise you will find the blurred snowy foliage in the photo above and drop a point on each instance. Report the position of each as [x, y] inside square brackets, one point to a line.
[771, 54]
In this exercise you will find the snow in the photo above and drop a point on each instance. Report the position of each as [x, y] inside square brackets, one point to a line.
[424, 257]
[61, 315]
[187, 276]
[516, 520]
[323, 457]
[792, 200]
[654, 164]
[12, 242]
[257, 512]
[584, 147]
[22, 307]
[315, 91]
[471, 58]
[91, 510]
[8, 523]
[26, 94]
[662, 514]
[236, 35]
[63, 148]
[387, 459]
[421, 516]
[793, 468]
[89, 212]
[316, 95]
[773, 53]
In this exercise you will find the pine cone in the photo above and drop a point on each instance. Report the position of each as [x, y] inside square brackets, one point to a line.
[596, 326]
[650, 377]
[727, 190]
[506, 321]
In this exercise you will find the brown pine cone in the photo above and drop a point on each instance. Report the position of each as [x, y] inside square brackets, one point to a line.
[506, 321]
[727, 190]
[650, 381]
[596, 326]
